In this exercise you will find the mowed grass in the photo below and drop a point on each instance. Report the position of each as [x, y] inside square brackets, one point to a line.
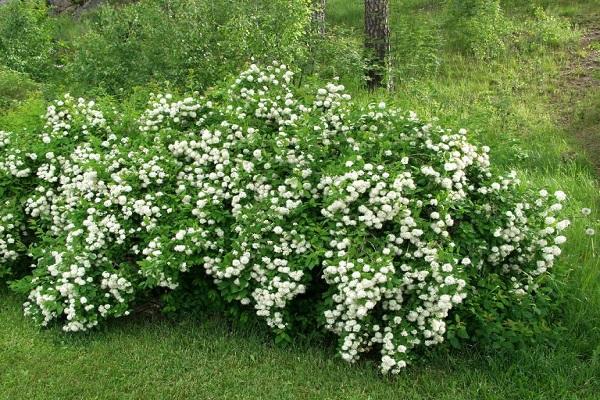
[516, 105]
[160, 359]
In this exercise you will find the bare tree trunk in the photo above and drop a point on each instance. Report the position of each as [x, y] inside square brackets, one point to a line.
[377, 39]
[319, 16]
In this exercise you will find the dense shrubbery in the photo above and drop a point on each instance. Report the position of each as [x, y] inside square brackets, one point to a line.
[547, 30]
[416, 46]
[190, 44]
[396, 230]
[184, 44]
[339, 53]
[26, 35]
[14, 87]
[479, 26]
[483, 29]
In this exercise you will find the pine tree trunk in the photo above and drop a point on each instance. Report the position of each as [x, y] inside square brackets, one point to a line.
[319, 16]
[377, 39]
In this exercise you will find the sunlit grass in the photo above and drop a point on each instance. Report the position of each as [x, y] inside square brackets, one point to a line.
[153, 358]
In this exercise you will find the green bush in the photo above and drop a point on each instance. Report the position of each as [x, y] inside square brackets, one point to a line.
[188, 43]
[479, 27]
[26, 34]
[416, 45]
[14, 88]
[545, 30]
[389, 232]
[337, 54]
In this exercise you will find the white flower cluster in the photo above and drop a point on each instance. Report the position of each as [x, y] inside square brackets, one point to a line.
[9, 235]
[14, 161]
[267, 195]
[70, 118]
[115, 285]
[165, 112]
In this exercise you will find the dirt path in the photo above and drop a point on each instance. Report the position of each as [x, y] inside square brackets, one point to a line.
[579, 94]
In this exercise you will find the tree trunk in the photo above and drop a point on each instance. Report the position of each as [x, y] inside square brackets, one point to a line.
[318, 16]
[377, 40]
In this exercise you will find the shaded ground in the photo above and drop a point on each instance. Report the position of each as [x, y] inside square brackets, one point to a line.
[579, 94]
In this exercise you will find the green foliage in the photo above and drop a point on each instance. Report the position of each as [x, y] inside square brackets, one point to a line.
[417, 43]
[483, 29]
[26, 38]
[190, 44]
[112, 49]
[14, 88]
[337, 54]
[151, 357]
[479, 27]
[546, 31]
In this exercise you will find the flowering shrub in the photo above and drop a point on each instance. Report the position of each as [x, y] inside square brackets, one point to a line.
[272, 191]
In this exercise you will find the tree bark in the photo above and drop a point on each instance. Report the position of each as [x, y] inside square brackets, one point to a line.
[318, 16]
[377, 40]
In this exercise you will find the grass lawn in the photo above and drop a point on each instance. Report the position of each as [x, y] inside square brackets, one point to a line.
[530, 110]
[159, 359]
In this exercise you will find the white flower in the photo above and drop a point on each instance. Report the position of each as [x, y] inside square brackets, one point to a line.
[563, 224]
[590, 232]
[560, 195]
[450, 166]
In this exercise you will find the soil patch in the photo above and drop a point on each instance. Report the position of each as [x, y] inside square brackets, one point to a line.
[579, 95]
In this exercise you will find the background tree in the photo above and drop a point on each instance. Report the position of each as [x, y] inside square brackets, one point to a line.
[377, 39]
